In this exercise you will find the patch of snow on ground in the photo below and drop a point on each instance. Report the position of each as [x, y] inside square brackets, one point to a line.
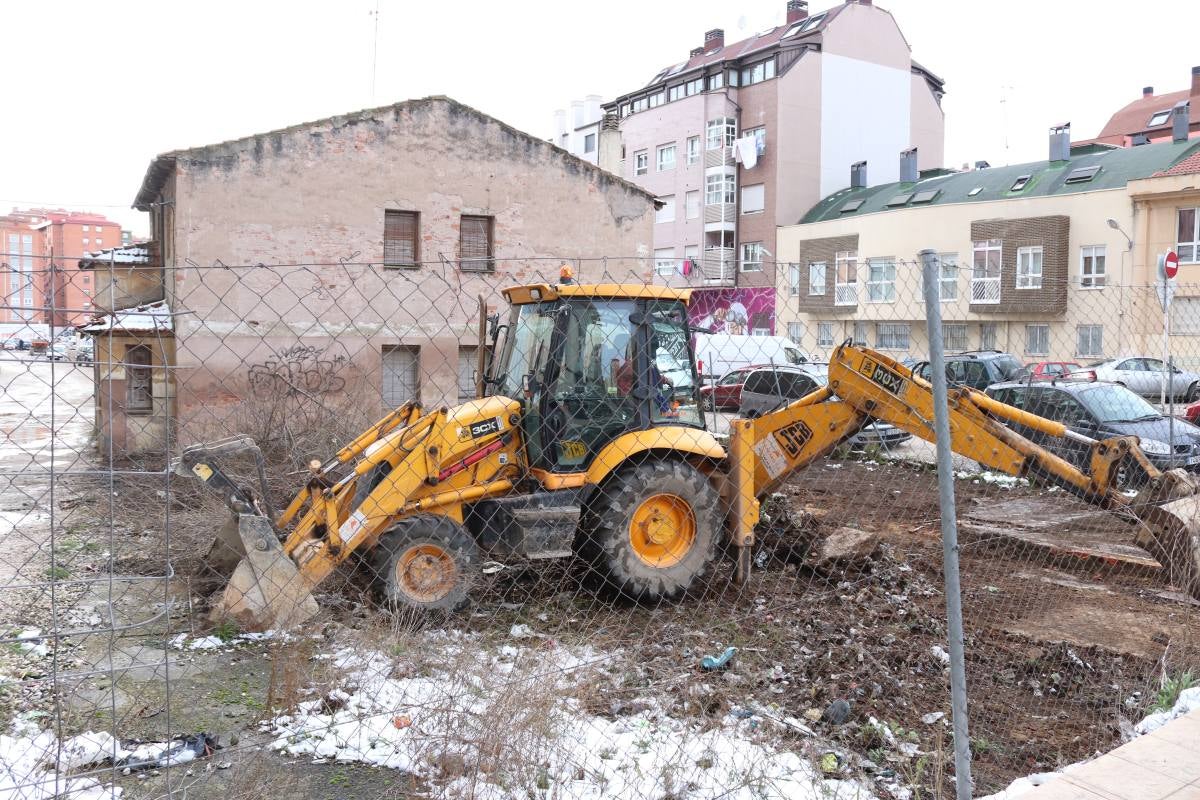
[28, 758]
[993, 478]
[496, 722]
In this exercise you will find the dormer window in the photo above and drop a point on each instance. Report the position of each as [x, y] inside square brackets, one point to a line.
[1020, 183]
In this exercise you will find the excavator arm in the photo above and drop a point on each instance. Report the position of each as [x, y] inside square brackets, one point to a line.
[865, 385]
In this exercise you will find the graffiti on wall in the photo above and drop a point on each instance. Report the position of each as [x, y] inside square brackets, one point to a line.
[301, 369]
[738, 312]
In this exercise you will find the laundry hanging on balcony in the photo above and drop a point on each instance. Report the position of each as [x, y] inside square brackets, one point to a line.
[745, 151]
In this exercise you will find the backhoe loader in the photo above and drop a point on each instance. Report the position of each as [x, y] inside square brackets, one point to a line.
[587, 439]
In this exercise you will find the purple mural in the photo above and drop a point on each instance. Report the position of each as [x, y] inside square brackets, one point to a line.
[738, 312]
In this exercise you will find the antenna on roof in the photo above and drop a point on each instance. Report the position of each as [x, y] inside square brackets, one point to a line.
[374, 49]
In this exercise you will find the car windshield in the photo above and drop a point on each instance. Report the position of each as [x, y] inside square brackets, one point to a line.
[1111, 403]
[1008, 367]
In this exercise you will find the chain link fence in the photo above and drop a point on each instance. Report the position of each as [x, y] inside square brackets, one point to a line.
[520, 537]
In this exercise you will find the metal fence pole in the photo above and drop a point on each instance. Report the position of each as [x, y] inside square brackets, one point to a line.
[945, 478]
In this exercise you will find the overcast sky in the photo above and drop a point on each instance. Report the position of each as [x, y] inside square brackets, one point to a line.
[93, 89]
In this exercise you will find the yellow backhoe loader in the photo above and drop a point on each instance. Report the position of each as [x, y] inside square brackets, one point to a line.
[587, 439]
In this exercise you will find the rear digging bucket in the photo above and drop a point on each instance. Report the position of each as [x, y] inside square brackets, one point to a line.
[266, 590]
[1172, 536]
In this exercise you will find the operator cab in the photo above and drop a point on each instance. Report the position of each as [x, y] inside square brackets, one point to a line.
[589, 363]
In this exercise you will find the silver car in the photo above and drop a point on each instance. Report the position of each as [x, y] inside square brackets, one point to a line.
[1144, 376]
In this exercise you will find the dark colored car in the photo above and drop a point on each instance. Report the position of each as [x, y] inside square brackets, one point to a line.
[1100, 410]
[726, 393]
[978, 369]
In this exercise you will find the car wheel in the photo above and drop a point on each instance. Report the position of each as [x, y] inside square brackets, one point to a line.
[706, 401]
[1193, 393]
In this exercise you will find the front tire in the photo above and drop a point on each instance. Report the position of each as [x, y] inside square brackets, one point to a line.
[426, 562]
[1193, 393]
[653, 528]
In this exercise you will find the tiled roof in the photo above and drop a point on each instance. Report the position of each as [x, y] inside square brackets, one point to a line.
[1114, 169]
[1135, 117]
[129, 254]
[1186, 166]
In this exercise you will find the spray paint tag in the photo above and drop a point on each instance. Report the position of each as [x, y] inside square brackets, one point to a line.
[771, 456]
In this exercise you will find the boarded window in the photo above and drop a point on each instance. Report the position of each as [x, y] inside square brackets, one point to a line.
[400, 382]
[475, 243]
[467, 363]
[139, 381]
[400, 238]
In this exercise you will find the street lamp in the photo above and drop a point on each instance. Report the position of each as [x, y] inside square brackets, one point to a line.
[1116, 226]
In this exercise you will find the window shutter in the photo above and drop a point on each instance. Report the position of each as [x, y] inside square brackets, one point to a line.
[400, 238]
[475, 243]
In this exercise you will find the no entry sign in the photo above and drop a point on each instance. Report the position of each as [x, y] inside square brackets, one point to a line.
[1169, 264]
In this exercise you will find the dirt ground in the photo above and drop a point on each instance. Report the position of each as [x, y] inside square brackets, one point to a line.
[1064, 652]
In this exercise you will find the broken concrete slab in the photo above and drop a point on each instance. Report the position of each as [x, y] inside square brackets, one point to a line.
[1087, 624]
[844, 545]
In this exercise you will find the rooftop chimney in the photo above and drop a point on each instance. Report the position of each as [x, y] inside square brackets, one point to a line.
[696, 51]
[858, 175]
[1195, 82]
[1147, 91]
[908, 165]
[1060, 142]
[714, 39]
[796, 10]
[1179, 120]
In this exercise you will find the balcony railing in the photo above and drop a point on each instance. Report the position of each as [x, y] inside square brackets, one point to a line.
[845, 294]
[985, 290]
[717, 266]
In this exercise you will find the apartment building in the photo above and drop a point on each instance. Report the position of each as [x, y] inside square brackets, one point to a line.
[1054, 259]
[21, 284]
[578, 131]
[739, 138]
[1154, 117]
[67, 236]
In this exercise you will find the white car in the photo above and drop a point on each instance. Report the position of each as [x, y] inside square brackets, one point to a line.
[1144, 376]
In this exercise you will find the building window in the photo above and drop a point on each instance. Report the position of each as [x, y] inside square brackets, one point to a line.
[664, 261]
[475, 243]
[692, 253]
[954, 337]
[1159, 118]
[400, 238]
[716, 81]
[692, 202]
[641, 162]
[845, 287]
[757, 73]
[985, 272]
[793, 280]
[720, 133]
[824, 334]
[99, 241]
[589, 143]
[1029, 267]
[400, 380]
[816, 279]
[860, 333]
[657, 100]
[760, 138]
[666, 157]
[891, 335]
[139, 381]
[753, 199]
[1092, 267]
[987, 336]
[796, 332]
[468, 361]
[1037, 340]
[693, 150]
[85, 240]
[1188, 247]
[675, 92]
[881, 280]
[667, 212]
[86, 229]
[752, 257]
[719, 189]
[1089, 340]
[948, 277]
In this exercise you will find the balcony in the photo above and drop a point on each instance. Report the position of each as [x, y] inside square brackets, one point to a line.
[720, 217]
[845, 294]
[985, 290]
[717, 268]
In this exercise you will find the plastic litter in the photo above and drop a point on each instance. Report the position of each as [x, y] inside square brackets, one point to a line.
[717, 662]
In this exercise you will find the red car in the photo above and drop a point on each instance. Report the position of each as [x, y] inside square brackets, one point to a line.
[726, 393]
[1192, 413]
[1049, 370]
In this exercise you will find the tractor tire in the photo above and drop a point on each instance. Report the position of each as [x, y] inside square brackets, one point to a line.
[426, 562]
[652, 529]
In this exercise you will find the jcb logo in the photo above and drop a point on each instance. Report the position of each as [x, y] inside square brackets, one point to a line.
[793, 438]
[572, 451]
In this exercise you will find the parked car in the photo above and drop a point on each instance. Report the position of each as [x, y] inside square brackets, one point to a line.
[1192, 413]
[1048, 370]
[978, 369]
[726, 393]
[1099, 410]
[768, 388]
[1144, 376]
[59, 351]
[85, 351]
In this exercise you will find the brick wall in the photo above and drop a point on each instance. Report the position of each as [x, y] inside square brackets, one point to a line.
[814, 250]
[1052, 234]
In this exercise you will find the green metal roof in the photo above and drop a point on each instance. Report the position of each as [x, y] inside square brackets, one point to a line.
[1117, 168]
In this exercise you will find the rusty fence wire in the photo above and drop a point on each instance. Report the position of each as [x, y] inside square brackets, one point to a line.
[504, 565]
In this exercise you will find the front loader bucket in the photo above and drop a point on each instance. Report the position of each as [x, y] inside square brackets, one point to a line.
[1172, 535]
[266, 590]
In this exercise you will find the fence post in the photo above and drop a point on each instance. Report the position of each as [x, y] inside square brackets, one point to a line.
[945, 476]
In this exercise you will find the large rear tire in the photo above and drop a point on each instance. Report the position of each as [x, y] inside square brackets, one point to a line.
[426, 562]
[652, 529]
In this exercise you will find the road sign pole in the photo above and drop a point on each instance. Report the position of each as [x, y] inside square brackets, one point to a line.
[1168, 268]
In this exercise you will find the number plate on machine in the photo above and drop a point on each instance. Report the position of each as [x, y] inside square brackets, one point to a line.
[883, 376]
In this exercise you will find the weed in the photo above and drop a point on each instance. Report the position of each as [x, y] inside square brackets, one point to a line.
[57, 573]
[226, 631]
[1170, 687]
[339, 779]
